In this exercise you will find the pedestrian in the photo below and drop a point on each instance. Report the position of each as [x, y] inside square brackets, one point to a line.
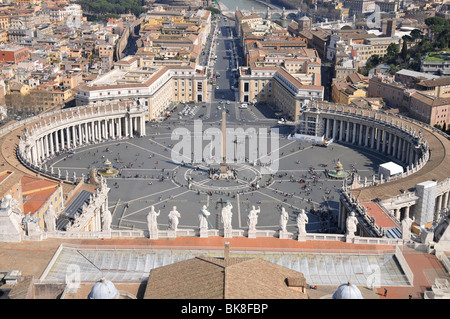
[385, 292]
[410, 297]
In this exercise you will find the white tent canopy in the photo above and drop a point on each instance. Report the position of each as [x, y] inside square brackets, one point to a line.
[390, 169]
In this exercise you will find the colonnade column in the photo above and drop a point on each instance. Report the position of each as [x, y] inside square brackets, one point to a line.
[445, 200]
[408, 150]
[372, 138]
[334, 129]
[403, 156]
[360, 134]
[45, 147]
[142, 121]
[74, 136]
[113, 130]
[79, 142]
[390, 144]
[397, 213]
[438, 207]
[379, 134]
[328, 128]
[400, 148]
[41, 149]
[68, 137]
[52, 143]
[407, 212]
[366, 137]
[131, 126]
[34, 154]
[56, 141]
[63, 146]
[347, 132]
[104, 129]
[354, 133]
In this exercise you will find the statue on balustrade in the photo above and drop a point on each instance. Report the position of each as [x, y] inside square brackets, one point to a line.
[203, 217]
[152, 222]
[284, 217]
[253, 218]
[351, 223]
[106, 220]
[302, 220]
[174, 216]
[406, 227]
[226, 217]
[50, 218]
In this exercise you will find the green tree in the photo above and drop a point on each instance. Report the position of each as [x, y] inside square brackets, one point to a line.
[406, 39]
[416, 34]
[392, 50]
[213, 10]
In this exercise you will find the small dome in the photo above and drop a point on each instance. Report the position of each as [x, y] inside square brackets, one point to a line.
[304, 18]
[347, 291]
[103, 289]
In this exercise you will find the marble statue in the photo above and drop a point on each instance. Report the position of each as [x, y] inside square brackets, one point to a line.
[50, 218]
[227, 216]
[252, 219]
[203, 217]
[106, 220]
[6, 202]
[152, 222]
[284, 217]
[12, 205]
[302, 220]
[174, 217]
[351, 223]
[406, 227]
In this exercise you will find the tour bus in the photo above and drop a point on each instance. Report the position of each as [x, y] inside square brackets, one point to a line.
[316, 140]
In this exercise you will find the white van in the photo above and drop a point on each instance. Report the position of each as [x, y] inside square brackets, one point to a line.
[243, 106]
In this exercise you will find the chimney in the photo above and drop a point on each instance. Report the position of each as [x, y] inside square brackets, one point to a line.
[226, 254]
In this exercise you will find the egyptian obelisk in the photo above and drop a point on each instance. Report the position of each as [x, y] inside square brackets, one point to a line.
[223, 164]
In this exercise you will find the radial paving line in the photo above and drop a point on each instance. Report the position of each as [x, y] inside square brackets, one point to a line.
[265, 155]
[165, 200]
[163, 191]
[142, 148]
[277, 200]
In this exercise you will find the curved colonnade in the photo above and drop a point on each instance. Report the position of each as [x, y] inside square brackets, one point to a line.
[421, 149]
[75, 127]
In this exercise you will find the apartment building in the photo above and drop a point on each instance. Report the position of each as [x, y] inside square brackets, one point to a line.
[392, 92]
[437, 87]
[277, 85]
[14, 54]
[158, 87]
[359, 6]
[430, 109]
[427, 101]
[344, 91]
